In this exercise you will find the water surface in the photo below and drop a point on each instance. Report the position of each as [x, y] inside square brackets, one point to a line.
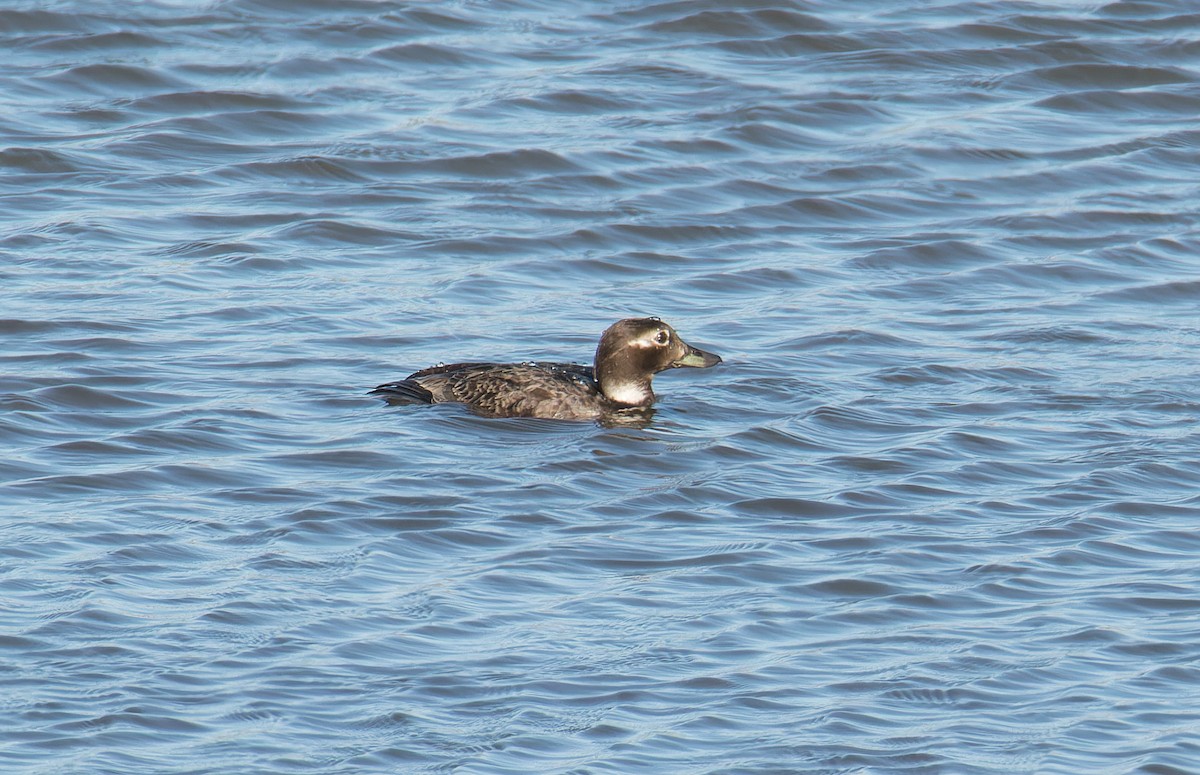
[934, 514]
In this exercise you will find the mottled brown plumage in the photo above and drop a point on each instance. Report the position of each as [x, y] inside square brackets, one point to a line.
[630, 353]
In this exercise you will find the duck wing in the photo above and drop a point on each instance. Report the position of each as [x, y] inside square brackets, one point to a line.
[411, 389]
[562, 390]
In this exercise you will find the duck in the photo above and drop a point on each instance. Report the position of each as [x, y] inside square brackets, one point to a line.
[630, 353]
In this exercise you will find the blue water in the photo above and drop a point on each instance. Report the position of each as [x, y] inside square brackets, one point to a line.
[936, 513]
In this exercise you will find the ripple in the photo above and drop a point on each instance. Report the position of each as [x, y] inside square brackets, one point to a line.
[1107, 76]
[430, 55]
[935, 510]
[112, 79]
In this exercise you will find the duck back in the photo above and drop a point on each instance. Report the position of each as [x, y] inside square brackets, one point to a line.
[551, 390]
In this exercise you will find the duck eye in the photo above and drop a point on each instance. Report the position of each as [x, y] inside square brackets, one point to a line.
[663, 337]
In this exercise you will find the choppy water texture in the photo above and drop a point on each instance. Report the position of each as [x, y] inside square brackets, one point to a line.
[935, 514]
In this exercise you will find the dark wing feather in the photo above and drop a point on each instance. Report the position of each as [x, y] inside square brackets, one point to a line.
[561, 390]
[552, 390]
[526, 390]
[411, 389]
[446, 368]
[405, 391]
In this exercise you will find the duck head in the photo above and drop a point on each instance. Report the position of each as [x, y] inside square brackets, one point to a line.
[633, 350]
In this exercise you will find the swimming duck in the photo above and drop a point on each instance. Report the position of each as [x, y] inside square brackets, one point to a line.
[630, 353]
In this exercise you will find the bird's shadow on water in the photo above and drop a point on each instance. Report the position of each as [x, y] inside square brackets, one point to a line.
[636, 418]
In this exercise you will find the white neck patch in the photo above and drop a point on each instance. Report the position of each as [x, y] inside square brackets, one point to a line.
[629, 393]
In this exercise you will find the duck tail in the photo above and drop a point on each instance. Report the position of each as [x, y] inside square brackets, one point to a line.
[405, 391]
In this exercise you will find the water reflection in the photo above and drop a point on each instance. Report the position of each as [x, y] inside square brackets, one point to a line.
[946, 481]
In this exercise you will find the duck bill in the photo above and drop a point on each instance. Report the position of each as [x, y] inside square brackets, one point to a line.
[696, 358]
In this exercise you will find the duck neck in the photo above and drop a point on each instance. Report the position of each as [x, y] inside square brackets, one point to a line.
[624, 388]
[629, 393]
